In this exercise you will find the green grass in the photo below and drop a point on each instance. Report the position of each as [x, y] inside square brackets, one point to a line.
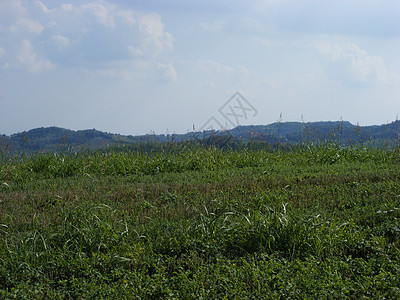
[195, 222]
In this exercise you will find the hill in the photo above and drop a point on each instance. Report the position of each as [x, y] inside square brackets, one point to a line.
[55, 138]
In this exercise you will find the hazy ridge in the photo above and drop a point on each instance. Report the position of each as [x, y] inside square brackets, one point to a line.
[55, 138]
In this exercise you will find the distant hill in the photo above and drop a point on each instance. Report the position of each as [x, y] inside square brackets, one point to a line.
[340, 131]
[57, 139]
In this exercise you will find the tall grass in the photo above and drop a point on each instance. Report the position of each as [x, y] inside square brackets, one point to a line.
[196, 222]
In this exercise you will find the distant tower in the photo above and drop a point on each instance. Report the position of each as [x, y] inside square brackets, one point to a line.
[280, 118]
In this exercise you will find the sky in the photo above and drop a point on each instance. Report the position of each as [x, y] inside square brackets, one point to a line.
[173, 66]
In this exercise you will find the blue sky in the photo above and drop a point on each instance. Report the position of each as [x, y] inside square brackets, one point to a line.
[135, 67]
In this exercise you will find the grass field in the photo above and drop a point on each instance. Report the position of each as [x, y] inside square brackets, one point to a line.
[202, 223]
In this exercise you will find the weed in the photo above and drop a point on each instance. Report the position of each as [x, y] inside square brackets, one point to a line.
[315, 221]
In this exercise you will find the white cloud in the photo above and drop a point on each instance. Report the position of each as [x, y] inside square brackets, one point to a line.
[68, 7]
[167, 72]
[135, 51]
[42, 6]
[127, 16]
[372, 18]
[59, 41]
[32, 26]
[245, 74]
[220, 75]
[102, 13]
[138, 71]
[27, 58]
[349, 63]
[135, 71]
[94, 35]
[153, 36]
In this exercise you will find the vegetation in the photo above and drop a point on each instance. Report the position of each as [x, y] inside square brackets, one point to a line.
[191, 222]
[289, 133]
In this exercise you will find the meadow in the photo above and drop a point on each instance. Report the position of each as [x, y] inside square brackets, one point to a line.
[195, 222]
